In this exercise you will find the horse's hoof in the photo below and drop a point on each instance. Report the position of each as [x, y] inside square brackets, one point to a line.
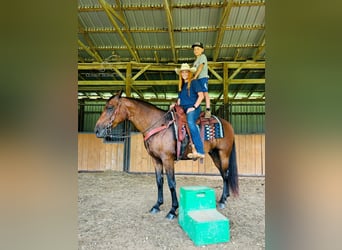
[170, 216]
[221, 205]
[154, 210]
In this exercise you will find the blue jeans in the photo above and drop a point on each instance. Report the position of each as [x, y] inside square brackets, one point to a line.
[194, 130]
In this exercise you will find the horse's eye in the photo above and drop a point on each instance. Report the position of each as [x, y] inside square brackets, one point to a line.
[110, 108]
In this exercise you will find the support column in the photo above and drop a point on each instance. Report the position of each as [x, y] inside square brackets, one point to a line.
[128, 81]
[81, 115]
[225, 90]
[127, 146]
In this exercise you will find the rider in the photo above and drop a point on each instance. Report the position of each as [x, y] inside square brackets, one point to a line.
[201, 65]
[190, 98]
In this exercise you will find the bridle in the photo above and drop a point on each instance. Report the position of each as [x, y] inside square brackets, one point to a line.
[151, 130]
[110, 123]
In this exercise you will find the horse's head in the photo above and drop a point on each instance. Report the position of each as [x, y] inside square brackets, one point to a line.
[113, 113]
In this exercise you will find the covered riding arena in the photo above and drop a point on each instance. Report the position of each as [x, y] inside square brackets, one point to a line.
[135, 46]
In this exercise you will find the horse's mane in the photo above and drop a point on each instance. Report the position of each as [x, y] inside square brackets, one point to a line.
[145, 103]
[142, 102]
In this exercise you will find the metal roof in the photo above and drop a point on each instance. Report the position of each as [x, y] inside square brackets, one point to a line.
[152, 37]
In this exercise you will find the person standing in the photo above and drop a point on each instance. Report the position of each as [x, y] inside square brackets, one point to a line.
[189, 98]
[201, 65]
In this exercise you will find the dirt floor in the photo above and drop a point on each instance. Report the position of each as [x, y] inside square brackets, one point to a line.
[114, 212]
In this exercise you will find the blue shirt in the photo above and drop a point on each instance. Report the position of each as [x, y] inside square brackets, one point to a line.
[188, 97]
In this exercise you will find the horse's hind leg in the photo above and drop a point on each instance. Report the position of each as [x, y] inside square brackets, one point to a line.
[160, 183]
[225, 191]
[221, 162]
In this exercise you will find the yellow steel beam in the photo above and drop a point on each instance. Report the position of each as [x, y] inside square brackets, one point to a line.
[166, 82]
[123, 20]
[225, 83]
[170, 29]
[161, 30]
[235, 72]
[89, 51]
[128, 81]
[106, 7]
[228, 6]
[119, 74]
[141, 72]
[260, 48]
[169, 67]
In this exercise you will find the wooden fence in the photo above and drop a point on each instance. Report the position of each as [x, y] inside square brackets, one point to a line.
[94, 155]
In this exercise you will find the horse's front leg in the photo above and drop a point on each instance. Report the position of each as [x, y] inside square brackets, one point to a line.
[171, 180]
[160, 182]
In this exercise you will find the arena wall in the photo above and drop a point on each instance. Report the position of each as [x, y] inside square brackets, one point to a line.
[94, 155]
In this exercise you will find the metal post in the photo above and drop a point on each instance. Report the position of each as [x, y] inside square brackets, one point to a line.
[127, 146]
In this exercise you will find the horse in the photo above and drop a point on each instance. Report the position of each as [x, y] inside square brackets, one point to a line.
[161, 146]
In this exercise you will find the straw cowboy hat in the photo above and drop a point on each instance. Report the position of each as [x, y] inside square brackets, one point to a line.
[184, 67]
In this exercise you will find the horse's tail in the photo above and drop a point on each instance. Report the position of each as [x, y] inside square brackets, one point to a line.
[233, 172]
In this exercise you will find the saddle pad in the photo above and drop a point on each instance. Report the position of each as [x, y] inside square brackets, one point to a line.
[213, 130]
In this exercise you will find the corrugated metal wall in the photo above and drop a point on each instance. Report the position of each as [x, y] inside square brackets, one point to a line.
[246, 118]
[91, 114]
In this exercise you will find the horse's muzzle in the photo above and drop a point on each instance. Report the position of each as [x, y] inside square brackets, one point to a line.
[100, 133]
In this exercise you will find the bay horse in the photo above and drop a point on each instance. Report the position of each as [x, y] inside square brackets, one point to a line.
[161, 146]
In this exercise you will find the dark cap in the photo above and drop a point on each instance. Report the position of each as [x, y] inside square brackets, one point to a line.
[197, 44]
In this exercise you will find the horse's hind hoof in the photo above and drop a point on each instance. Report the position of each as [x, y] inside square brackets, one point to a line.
[170, 216]
[154, 210]
[221, 205]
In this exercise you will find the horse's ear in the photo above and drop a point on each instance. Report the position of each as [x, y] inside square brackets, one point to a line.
[119, 93]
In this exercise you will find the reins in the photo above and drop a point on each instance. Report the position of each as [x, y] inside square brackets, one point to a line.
[157, 129]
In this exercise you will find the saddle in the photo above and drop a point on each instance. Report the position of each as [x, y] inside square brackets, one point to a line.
[182, 133]
[209, 129]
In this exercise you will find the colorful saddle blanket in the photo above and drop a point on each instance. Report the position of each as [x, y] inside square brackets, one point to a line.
[210, 128]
